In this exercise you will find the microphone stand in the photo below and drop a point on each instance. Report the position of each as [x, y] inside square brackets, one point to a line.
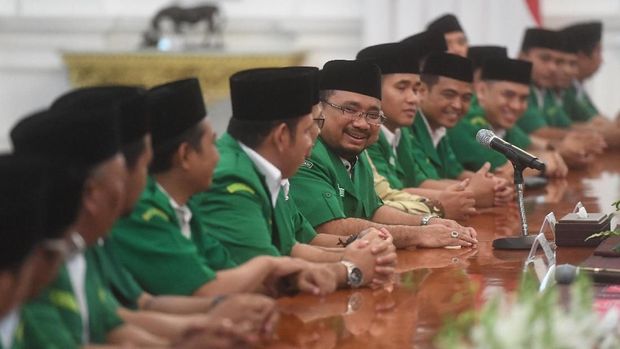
[525, 241]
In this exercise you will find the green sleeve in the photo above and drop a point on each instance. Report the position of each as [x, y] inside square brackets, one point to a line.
[407, 153]
[232, 213]
[471, 154]
[102, 310]
[318, 200]
[452, 166]
[578, 110]
[152, 248]
[305, 232]
[123, 285]
[381, 162]
[531, 120]
[44, 327]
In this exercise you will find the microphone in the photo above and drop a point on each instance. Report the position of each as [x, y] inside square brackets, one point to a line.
[513, 153]
[566, 273]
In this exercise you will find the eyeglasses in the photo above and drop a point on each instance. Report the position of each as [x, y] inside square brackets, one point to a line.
[66, 247]
[372, 117]
[320, 121]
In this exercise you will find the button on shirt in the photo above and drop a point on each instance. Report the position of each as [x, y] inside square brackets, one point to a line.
[348, 165]
[273, 176]
[436, 135]
[183, 213]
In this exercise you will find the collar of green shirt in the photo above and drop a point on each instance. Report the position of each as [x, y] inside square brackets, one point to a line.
[393, 138]
[8, 326]
[183, 213]
[273, 176]
[436, 135]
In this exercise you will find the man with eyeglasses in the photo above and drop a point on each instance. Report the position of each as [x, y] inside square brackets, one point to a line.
[276, 120]
[334, 187]
[27, 207]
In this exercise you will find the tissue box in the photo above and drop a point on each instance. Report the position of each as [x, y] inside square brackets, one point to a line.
[572, 230]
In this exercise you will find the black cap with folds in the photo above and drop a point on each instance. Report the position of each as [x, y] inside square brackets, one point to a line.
[542, 38]
[448, 65]
[174, 108]
[445, 24]
[479, 54]
[583, 36]
[506, 69]
[269, 94]
[79, 138]
[361, 77]
[426, 42]
[392, 58]
[133, 117]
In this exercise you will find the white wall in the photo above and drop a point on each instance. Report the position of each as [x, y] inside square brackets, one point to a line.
[34, 32]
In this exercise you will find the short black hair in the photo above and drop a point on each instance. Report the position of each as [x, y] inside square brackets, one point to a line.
[163, 154]
[429, 79]
[253, 133]
[133, 151]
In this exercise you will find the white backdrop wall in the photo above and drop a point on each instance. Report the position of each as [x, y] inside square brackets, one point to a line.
[34, 32]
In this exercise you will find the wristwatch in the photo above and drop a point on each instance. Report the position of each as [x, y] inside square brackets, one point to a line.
[426, 218]
[355, 277]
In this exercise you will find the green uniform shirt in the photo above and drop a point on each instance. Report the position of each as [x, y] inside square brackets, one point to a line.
[237, 209]
[53, 320]
[471, 154]
[324, 191]
[149, 243]
[433, 163]
[549, 114]
[121, 283]
[578, 106]
[406, 155]
[386, 161]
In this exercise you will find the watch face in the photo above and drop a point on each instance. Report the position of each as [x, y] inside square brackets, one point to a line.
[356, 277]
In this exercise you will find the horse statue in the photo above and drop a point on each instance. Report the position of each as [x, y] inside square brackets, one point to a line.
[184, 17]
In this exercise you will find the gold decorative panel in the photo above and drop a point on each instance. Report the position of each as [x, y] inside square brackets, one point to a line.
[153, 68]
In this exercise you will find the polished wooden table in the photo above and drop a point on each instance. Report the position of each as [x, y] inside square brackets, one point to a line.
[437, 284]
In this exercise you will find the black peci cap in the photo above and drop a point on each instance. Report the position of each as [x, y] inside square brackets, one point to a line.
[449, 65]
[506, 69]
[354, 76]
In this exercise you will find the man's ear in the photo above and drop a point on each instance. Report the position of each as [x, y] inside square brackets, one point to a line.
[281, 137]
[90, 196]
[182, 156]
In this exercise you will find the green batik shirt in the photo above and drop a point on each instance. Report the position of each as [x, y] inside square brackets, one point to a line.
[237, 209]
[577, 105]
[53, 319]
[121, 283]
[323, 189]
[150, 244]
[471, 154]
[545, 113]
[432, 162]
[386, 161]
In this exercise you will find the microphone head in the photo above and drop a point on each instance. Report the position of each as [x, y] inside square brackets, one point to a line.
[484, 137]
[565, 273]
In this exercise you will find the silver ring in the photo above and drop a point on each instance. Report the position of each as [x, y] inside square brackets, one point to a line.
[454, 234]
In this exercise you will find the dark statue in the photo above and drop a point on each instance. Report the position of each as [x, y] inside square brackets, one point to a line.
[182, 18]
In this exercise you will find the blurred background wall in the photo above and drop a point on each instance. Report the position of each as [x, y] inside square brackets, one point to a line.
[34, 34]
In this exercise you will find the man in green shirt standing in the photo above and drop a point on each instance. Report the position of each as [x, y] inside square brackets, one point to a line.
[502, 98]
[334, 187]
[163, 243]
[275, 121]
[445, 94]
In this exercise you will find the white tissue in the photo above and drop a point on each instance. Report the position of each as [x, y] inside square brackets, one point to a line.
[582, 213]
